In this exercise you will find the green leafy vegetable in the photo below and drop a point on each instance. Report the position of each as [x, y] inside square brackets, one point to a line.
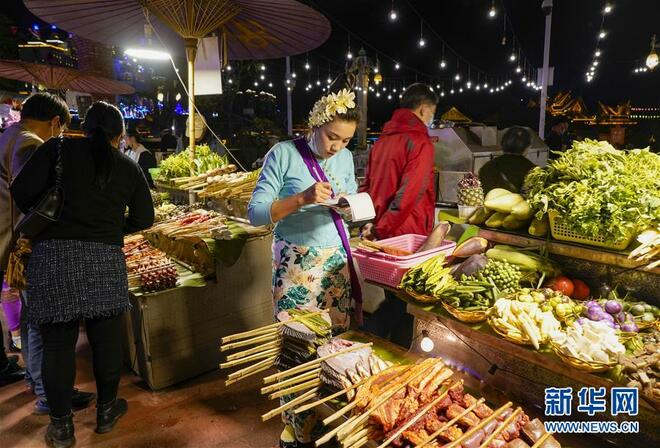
[179, 165]
[598, 190]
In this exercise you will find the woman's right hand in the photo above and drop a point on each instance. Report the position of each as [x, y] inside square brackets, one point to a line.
[317, 193]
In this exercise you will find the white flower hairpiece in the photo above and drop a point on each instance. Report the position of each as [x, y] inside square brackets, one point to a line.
[327, 107]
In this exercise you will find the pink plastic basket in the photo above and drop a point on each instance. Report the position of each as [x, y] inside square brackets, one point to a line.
[389, 269]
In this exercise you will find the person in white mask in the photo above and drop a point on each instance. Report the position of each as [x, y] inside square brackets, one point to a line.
[401, 183]
[311, 258]
[136, 151]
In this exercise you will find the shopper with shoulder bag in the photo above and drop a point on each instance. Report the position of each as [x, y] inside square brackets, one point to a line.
[44, 117]
[77, 269]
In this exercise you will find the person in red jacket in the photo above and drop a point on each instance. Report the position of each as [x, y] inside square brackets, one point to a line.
[400, 181]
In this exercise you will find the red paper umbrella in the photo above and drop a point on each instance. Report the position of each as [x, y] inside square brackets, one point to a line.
[62, 78]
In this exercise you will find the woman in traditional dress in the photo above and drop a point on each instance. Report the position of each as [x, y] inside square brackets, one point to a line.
[311, 257]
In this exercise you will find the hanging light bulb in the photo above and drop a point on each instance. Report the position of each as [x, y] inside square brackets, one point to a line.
[262, 77]
[477, 87]
[595, 63]
[256, 84]
[293, 75]
[270, 84]
[457, 77]
[394, 90]
[442, 93]
[602, 35]
[329, 80]
[492, 12]
[421, 43]
[451, 91]
[263, 68]
[468, 85]
[512, 57]
[178, 96]
[460, 90]
[652, 58]
[491, 90]
[393, 16]
[230, 81]
[377, 94]
[524, 78]
[389, 97]
[160, 97]
[607, 9]
[318, 82]
[597, 53]
[443, 64]
[378, 78]
[307, 66]
[349, 55]
[485, 85]
[518, 69]
[228, 68]
[426, 344]
[396, 66]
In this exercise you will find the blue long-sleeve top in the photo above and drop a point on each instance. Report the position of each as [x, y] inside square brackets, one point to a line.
[284, 174]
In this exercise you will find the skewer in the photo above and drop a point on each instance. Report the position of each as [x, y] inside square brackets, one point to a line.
[253, 350]
[304, 397]
[289, 382]
[330, 397]
[414, 420]
[450, 423]
[297, 388]
[541, 440]
[310, 364]
[360, 442]
[339, 413]
[251, 369]
[269, 337]
[500, 428]
[263, 354]
[481, 424]
[365, 416]
[265, 329]
[260, 369]
[356, 436]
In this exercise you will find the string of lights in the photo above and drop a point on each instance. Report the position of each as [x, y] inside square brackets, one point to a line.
[602, 34]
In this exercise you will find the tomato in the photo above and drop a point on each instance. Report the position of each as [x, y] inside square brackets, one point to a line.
[562, 284]
[580, 290]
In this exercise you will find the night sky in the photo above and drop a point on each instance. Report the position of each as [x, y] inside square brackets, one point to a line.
[465, 26]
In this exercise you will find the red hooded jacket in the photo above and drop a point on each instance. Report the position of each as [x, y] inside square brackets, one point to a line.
[400, 177]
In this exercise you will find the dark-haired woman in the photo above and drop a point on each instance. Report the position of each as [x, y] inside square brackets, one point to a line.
[77, 269]
[140, 155]
[310, 258]
[509, 170]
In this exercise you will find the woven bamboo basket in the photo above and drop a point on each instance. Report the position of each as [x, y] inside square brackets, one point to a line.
[587, 366]
[523, 340]
[421, 297]
[465, 316]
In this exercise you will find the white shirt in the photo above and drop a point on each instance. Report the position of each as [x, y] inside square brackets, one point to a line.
[134, 154]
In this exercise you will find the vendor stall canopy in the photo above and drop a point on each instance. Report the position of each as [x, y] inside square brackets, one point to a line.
[250, 29]
[62, 78]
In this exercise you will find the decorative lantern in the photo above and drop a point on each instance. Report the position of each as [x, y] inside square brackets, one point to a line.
[378, 78]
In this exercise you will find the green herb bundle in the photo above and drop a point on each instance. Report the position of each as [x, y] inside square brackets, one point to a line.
[598, 190]
[179, 165]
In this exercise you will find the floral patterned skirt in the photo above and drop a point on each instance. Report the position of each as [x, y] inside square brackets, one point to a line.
[306, 277]
[311, 277]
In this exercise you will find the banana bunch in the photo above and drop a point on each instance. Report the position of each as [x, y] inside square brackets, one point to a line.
[430, 279]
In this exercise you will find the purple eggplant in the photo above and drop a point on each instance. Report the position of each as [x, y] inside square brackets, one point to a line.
[595, 313]
[613, 307]
[630, 327]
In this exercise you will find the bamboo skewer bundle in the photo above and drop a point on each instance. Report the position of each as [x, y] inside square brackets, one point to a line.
[268, 337]
[291, 381]
[312, 364]
[261, 354]
[500, 428]
[251, 370]
[251, 351]
[295, 389]
[476, 428]
[293, 403]
[309, 406]
[355, 437]
[449, 423]
[412, 421]
[364, 417]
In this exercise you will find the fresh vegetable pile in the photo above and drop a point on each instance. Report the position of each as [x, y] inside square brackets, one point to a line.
[589, 341]
[522, 319]
[599, 191]
[429, 279]
[503, 208]
[231, 186]
[181, 165]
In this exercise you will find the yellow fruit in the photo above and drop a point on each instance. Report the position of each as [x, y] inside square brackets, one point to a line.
[539, 227]
[522, 210]
[512, 223]
[504, 203]
[496, 220]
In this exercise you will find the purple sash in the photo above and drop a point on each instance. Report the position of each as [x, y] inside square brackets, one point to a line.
[319, 176]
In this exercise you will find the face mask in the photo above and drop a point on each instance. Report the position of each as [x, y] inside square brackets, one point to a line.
[312, 143]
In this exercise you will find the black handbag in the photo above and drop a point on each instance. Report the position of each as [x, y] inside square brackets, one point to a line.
[49, 208]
